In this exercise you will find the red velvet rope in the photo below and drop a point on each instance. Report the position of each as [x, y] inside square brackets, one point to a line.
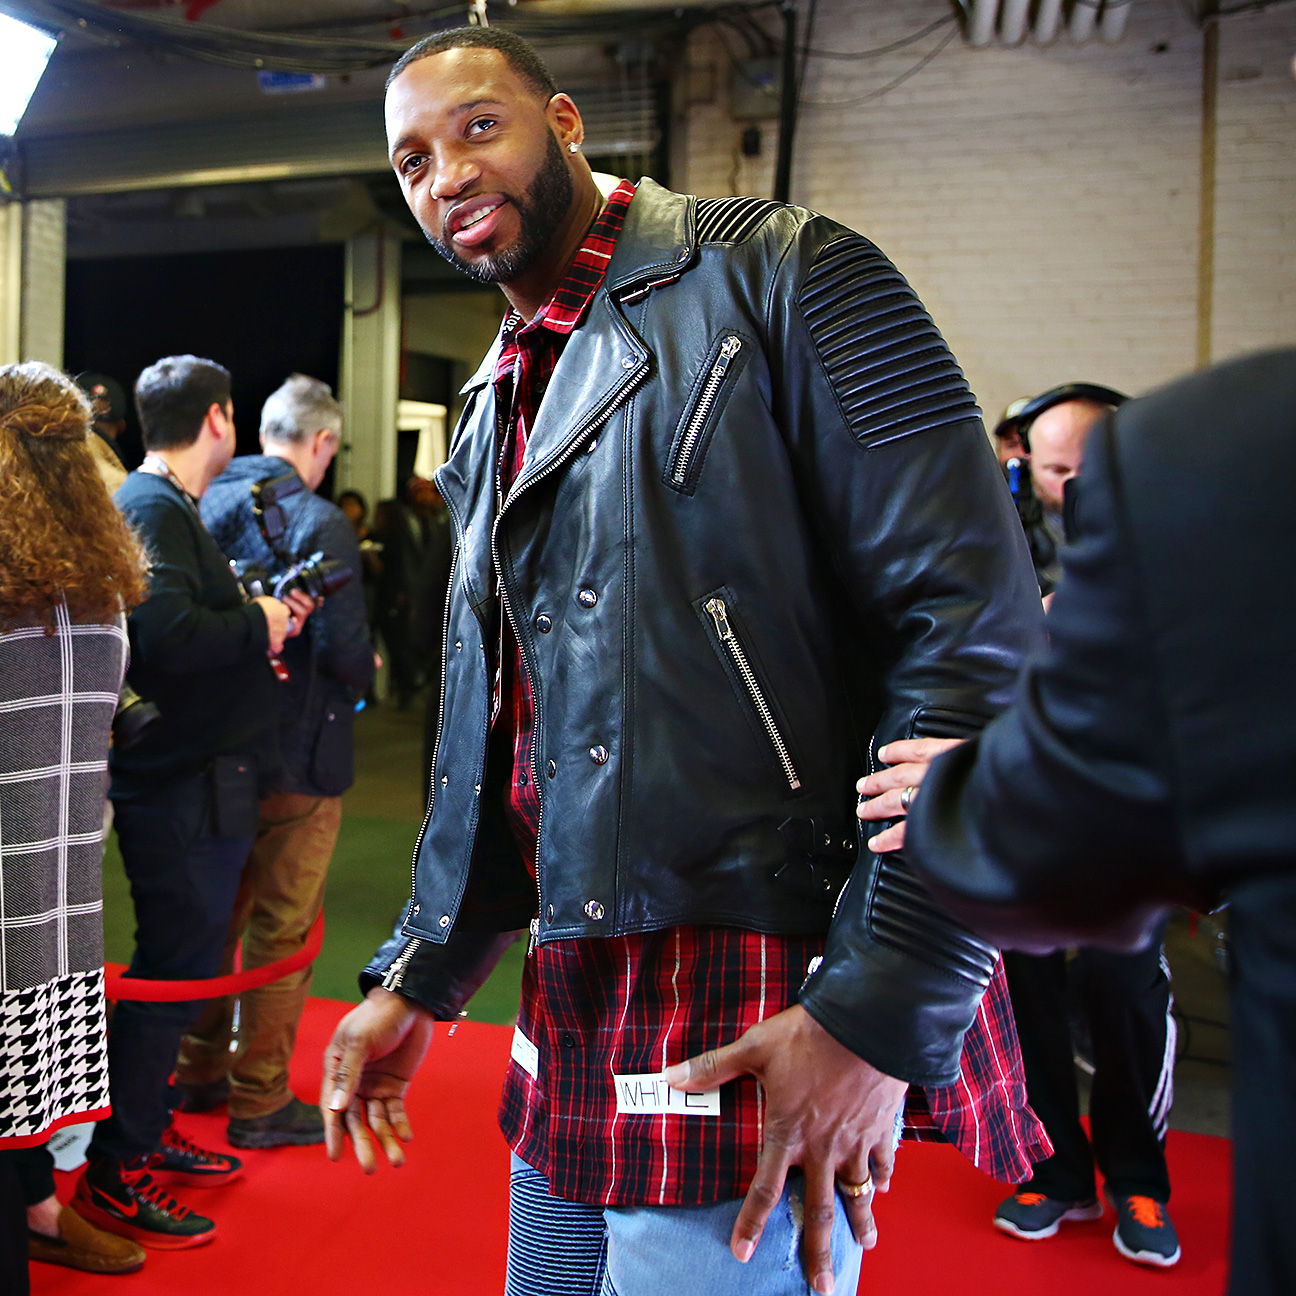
[120, 986]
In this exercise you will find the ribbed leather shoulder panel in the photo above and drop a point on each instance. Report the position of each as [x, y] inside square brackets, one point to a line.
[888, 364]
[731, 220]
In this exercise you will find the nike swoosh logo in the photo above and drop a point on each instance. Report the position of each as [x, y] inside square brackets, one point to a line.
[116, 1207]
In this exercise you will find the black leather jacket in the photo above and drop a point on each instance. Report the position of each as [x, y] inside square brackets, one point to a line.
[759, 530]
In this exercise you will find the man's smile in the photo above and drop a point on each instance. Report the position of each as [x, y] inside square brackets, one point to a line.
[474, 220]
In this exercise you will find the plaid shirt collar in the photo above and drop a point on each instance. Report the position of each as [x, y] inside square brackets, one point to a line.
[565, 309]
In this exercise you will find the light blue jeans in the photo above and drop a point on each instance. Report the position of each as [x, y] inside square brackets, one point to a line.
[564, 1248]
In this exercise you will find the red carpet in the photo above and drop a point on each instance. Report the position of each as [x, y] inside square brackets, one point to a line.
[296, 1224]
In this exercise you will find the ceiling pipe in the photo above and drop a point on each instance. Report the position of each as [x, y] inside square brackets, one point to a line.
[1084, 18]
[1012, 25]
[1048, 19]
[787, 106]
[981, 24]
[1115, 16]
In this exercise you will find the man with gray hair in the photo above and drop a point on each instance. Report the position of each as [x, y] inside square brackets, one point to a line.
[329, 667]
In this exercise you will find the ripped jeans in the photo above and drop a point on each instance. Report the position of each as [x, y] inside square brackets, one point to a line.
[565, 1248]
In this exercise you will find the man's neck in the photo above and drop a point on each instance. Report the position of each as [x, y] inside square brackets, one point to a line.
[191, 467]
[530, 291]
[297, 456]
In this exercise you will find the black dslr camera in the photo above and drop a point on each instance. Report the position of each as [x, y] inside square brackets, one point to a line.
[315, 576]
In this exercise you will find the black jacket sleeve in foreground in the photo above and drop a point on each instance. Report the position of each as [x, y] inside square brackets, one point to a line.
[1057, 825]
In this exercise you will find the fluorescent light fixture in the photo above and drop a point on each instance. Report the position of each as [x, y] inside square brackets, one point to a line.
[24, 52]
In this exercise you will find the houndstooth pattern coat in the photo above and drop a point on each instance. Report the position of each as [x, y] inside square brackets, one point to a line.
[57, 697]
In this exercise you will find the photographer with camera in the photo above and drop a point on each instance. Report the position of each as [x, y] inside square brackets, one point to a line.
[264, 514]
[184, 791]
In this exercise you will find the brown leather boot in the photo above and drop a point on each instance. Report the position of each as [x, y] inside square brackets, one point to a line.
[80, 1245]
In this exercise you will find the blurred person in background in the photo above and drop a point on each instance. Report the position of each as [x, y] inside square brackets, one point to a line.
[69, 570]
[427, 620]
[402, 528]
[1150, 757]
[330, 665]
[1040, 445]
[185, 792]
[108, 401]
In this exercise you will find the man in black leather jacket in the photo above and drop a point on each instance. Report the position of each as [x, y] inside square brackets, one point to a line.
[329, 667]
[1150, 758]
[757, 529]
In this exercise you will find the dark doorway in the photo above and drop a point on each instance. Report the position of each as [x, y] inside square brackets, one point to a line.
[263, 314]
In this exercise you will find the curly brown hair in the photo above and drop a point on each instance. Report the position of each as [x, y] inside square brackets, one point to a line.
[61, 537]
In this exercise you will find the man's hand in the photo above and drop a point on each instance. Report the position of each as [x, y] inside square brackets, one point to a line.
[300, 606]
[883, 791]
[368, 1065]
[276, 615]
[826, 1110]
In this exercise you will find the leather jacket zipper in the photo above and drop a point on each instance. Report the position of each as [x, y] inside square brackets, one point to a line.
[598, 417]
[395, 974]
[705, 402]
[720, 615]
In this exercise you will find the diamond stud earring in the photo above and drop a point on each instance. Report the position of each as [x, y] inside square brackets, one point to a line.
[573, 148]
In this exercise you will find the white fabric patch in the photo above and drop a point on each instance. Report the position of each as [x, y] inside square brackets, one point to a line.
[525, 1054]
[650, 1095]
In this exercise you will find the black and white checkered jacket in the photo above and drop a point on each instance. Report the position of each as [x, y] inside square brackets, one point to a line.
[57, 697]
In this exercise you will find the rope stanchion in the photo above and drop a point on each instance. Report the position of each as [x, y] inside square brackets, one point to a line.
[119, 986]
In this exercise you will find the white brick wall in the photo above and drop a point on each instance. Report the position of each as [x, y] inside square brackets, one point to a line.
[1255, 185]
[44, 272]
[1044, 202]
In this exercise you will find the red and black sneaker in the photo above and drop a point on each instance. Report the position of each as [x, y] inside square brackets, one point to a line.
[187, 1164]
[128, 1201]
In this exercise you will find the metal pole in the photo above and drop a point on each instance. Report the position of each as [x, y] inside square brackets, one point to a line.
[787, 106]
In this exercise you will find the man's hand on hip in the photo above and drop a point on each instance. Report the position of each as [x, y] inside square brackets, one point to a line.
[827, 1111]
[368, 1066]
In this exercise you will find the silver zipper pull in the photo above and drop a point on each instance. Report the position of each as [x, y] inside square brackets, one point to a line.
[720, 615]
[728, 350]
[535, 933]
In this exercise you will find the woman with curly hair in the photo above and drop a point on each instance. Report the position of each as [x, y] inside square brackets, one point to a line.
[70, 568]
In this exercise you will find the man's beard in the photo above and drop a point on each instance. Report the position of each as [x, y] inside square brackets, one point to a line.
[542, 211]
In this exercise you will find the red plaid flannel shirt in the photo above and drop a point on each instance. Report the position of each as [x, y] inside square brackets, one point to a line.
[632, 1005]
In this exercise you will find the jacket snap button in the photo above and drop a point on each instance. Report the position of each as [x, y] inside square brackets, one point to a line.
[628, 362]
[586, 598]
[599, 755]
[593, 909]
[445, 779]
[551, 769]
[551, 913]
[444, 920]
[417, 908]
[331, 716]
[458, 645]
[543, 624]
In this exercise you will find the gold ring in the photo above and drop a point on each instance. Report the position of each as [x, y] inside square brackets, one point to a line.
[854, 1190]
